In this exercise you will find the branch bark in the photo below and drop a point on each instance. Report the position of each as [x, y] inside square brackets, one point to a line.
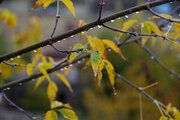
[83, 28]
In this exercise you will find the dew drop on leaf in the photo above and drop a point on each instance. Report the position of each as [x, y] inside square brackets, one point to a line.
[35, 51]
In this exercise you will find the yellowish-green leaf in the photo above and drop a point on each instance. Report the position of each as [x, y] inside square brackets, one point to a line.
[68, 114]
[51, 91]
[70, 6]
[100, 75]
[95, 61]
[128, 24]
[56, 104]
[114, 47]
[65, 81]
[164, 15]
[38, 82]
[145, 29]
[75, 54]
[51, 115]
[153, 27]
[110, 70]
[30, 69]
[35, 60]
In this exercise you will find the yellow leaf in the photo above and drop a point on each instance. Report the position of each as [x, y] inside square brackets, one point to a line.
[69, 5]
[127, 25]
[8, 17]
[88, 63]
[45, 3]
[176, 29]
[38, 82]
[51, 91]
[101, 48]
[91, 43]
[153, 27]
[145, 29]
[65, 81]
[110, 70]
[68, 114]
[51, 115]
[114, 47]
[95, 60]
[75, 54]
[44, 72]
[164, 15]
[163, 118]
[30, 69]
[56, 104]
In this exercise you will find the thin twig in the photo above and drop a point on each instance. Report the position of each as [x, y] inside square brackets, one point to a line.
[19, 108]
[135, 33]
[140, 105]
[82, 28]
[159, 62]
[156, 14]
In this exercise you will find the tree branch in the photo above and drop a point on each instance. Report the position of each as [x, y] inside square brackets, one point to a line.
[159, 62]
[19, 108]
[57, 67]
[138, 89]
[156, 14]
[83, 28]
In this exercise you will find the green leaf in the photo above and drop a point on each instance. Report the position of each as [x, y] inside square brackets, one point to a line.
[51, 115]
[95, 60]
[68, 114]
